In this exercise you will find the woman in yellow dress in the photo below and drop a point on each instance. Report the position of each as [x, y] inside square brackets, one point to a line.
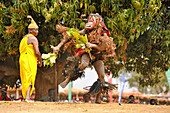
[30, 56]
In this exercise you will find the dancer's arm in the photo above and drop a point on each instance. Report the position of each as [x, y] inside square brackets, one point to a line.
[60, 29]
[57, 48]
[90, 45]
[82, 32]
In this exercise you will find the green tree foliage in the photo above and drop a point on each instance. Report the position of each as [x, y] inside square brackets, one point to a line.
[139, 28]
[161, 87]
[149, 55]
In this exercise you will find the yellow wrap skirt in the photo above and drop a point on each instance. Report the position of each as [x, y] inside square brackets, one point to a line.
[28, 65]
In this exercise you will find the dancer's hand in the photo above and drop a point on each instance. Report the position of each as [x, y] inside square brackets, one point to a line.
[90, 45]
[56, 49]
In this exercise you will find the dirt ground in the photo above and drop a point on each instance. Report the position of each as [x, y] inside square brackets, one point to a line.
[58, 107]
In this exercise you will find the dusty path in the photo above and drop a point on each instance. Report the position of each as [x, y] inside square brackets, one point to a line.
[57, 107]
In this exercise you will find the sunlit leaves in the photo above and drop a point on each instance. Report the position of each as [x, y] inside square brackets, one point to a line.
[80, 39]
[49, 59]
[129, 21]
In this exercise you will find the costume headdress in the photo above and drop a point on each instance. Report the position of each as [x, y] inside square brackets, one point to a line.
[33, 23]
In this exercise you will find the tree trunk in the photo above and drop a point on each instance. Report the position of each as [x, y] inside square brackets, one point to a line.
[9, 71]
[46, 78]
[55, 83]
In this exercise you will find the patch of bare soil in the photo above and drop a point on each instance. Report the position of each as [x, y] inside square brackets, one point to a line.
[58, 107]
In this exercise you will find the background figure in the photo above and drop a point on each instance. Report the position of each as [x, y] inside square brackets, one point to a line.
[3, 92]
[30, 56]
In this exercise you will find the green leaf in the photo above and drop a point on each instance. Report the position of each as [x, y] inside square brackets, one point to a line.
[69, 33]
[132, 38]
[137, 35]
[80, 45]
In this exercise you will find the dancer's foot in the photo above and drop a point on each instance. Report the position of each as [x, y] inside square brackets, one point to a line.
[95, 88]
[98, 101]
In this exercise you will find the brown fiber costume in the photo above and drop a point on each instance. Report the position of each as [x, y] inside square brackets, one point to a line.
[98, 40]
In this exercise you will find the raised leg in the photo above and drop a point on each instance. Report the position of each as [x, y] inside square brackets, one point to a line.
[84, 63]
[64, 84]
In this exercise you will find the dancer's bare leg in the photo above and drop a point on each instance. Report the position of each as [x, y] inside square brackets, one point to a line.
[84, 61]
[99, 67]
